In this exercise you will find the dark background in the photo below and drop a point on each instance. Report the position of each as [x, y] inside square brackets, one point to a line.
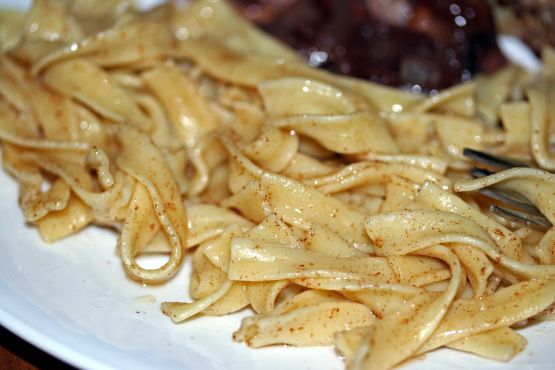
[17, 354]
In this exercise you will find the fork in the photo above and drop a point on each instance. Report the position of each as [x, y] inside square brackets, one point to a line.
[520, 209]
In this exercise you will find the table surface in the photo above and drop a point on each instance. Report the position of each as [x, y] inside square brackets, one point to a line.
[17, 354]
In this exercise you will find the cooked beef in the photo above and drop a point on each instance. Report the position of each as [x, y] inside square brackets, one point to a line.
[425, 44]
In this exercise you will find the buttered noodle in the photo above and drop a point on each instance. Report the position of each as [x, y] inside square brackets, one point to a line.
[340, 211]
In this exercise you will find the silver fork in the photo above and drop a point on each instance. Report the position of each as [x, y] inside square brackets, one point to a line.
[520, 210]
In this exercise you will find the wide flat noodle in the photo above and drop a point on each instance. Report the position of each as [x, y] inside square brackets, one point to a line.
[499, 344]
[386, 344]
[88, 83]
[141, 159]
[346, 134]
[310, 318]
[340, 211]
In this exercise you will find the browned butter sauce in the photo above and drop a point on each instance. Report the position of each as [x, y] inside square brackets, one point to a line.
[420, 44]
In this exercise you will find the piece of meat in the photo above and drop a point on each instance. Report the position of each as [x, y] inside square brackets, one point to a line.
[425, 44]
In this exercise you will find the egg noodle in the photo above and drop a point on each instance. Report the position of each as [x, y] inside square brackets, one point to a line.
[340, 211]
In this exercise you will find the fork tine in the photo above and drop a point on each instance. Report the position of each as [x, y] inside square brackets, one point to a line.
[490, 160]
[511, 198]
[538, 222]
[528, 215]
[477, 172]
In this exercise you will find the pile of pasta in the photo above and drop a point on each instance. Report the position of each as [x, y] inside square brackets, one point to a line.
[340, 211]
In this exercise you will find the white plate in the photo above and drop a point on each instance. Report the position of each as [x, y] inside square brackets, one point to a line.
[73, 300]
